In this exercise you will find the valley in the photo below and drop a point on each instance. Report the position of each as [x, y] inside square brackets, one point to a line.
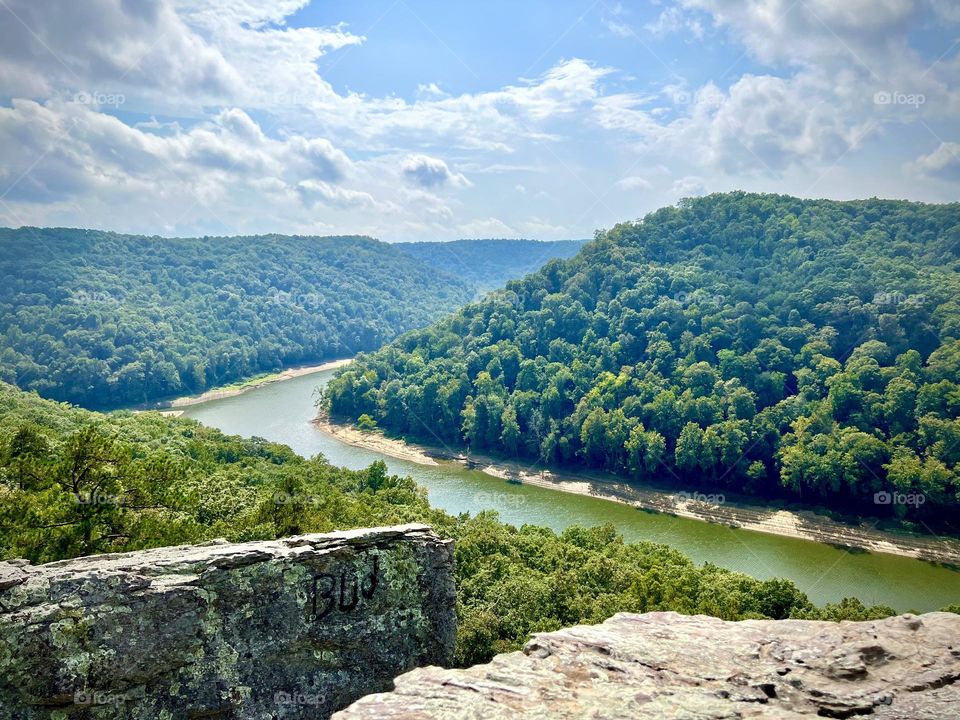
[284, 411]
[467, 361]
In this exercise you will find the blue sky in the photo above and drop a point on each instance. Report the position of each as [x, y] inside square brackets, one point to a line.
[409, 119]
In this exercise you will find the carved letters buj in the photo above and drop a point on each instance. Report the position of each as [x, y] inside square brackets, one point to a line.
[342, 592]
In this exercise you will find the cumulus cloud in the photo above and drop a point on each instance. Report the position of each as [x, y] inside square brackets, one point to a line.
[105, 45]
[812, 31]
[774, 122]
[430, 90]
[846, 73]
[689, 186]
[943, 163]
[175, 55]
[213, 66]
[837, 66]
[315, 191]
[430, 172]
[233, 113]
[64, 152]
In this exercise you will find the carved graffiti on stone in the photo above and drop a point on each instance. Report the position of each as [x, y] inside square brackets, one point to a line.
[342, 592]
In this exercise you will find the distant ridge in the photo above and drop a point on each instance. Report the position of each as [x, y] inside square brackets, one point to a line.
[490, 264]
[102, 319]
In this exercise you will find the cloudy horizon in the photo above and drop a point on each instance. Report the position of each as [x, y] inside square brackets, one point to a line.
[410, 120]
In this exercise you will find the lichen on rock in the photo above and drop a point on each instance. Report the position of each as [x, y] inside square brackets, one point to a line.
[292, 628]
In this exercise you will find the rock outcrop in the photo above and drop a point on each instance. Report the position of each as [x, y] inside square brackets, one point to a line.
[294, 628]
[665, 665]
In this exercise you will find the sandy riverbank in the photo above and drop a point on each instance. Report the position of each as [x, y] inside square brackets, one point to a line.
[374, 441]
[218, 394]
[800, 524]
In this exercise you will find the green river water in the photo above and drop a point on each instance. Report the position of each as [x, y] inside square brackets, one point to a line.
[282, 411]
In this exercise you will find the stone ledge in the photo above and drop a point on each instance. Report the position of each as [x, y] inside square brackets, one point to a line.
[660, 665]
[291, 628]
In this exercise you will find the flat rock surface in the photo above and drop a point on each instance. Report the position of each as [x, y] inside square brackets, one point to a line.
[293, 628]
[666, 665]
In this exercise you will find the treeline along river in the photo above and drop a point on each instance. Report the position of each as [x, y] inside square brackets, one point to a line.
[282, 412]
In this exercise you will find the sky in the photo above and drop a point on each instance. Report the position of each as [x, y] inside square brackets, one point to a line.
[420, 120]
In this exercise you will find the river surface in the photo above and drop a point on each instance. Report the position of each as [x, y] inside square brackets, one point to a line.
[282, 411]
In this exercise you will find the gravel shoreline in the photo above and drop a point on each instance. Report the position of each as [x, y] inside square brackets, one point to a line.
[801, 524]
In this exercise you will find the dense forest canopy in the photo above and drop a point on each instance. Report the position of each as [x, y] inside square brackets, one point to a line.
[757, 342]
[74, 482]
[103, 320]
[490, 264]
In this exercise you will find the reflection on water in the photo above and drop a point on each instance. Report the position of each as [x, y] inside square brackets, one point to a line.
[282, 412]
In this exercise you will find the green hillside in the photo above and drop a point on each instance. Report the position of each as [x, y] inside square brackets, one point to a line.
[765, 343]
[74, 482]
[104, 320]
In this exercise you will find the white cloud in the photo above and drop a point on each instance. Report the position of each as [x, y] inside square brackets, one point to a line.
[943, 163]
[689, 186]
[842, 57]
[490, 227]
[430, 90]
[235, 122]
[430, 172]
[106, 45]
[214, 65]
[774, 123]
[633, 182]
[674, 19]
[318, 157]
[618, 28]
[809, 32]
[316, 191]
[63, 152]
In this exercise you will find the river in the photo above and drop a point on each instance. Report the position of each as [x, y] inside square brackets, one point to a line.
[282, 411]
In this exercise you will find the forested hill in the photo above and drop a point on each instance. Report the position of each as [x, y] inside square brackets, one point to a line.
[490, 264]
[74, 482]
[101, 319]
[760, 342]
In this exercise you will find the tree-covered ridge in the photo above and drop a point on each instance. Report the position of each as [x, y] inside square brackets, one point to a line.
[102, 319]
[490, 264]
[759, 342]
[74, 482]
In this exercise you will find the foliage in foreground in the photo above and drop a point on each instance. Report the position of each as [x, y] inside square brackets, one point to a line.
[73, 482]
